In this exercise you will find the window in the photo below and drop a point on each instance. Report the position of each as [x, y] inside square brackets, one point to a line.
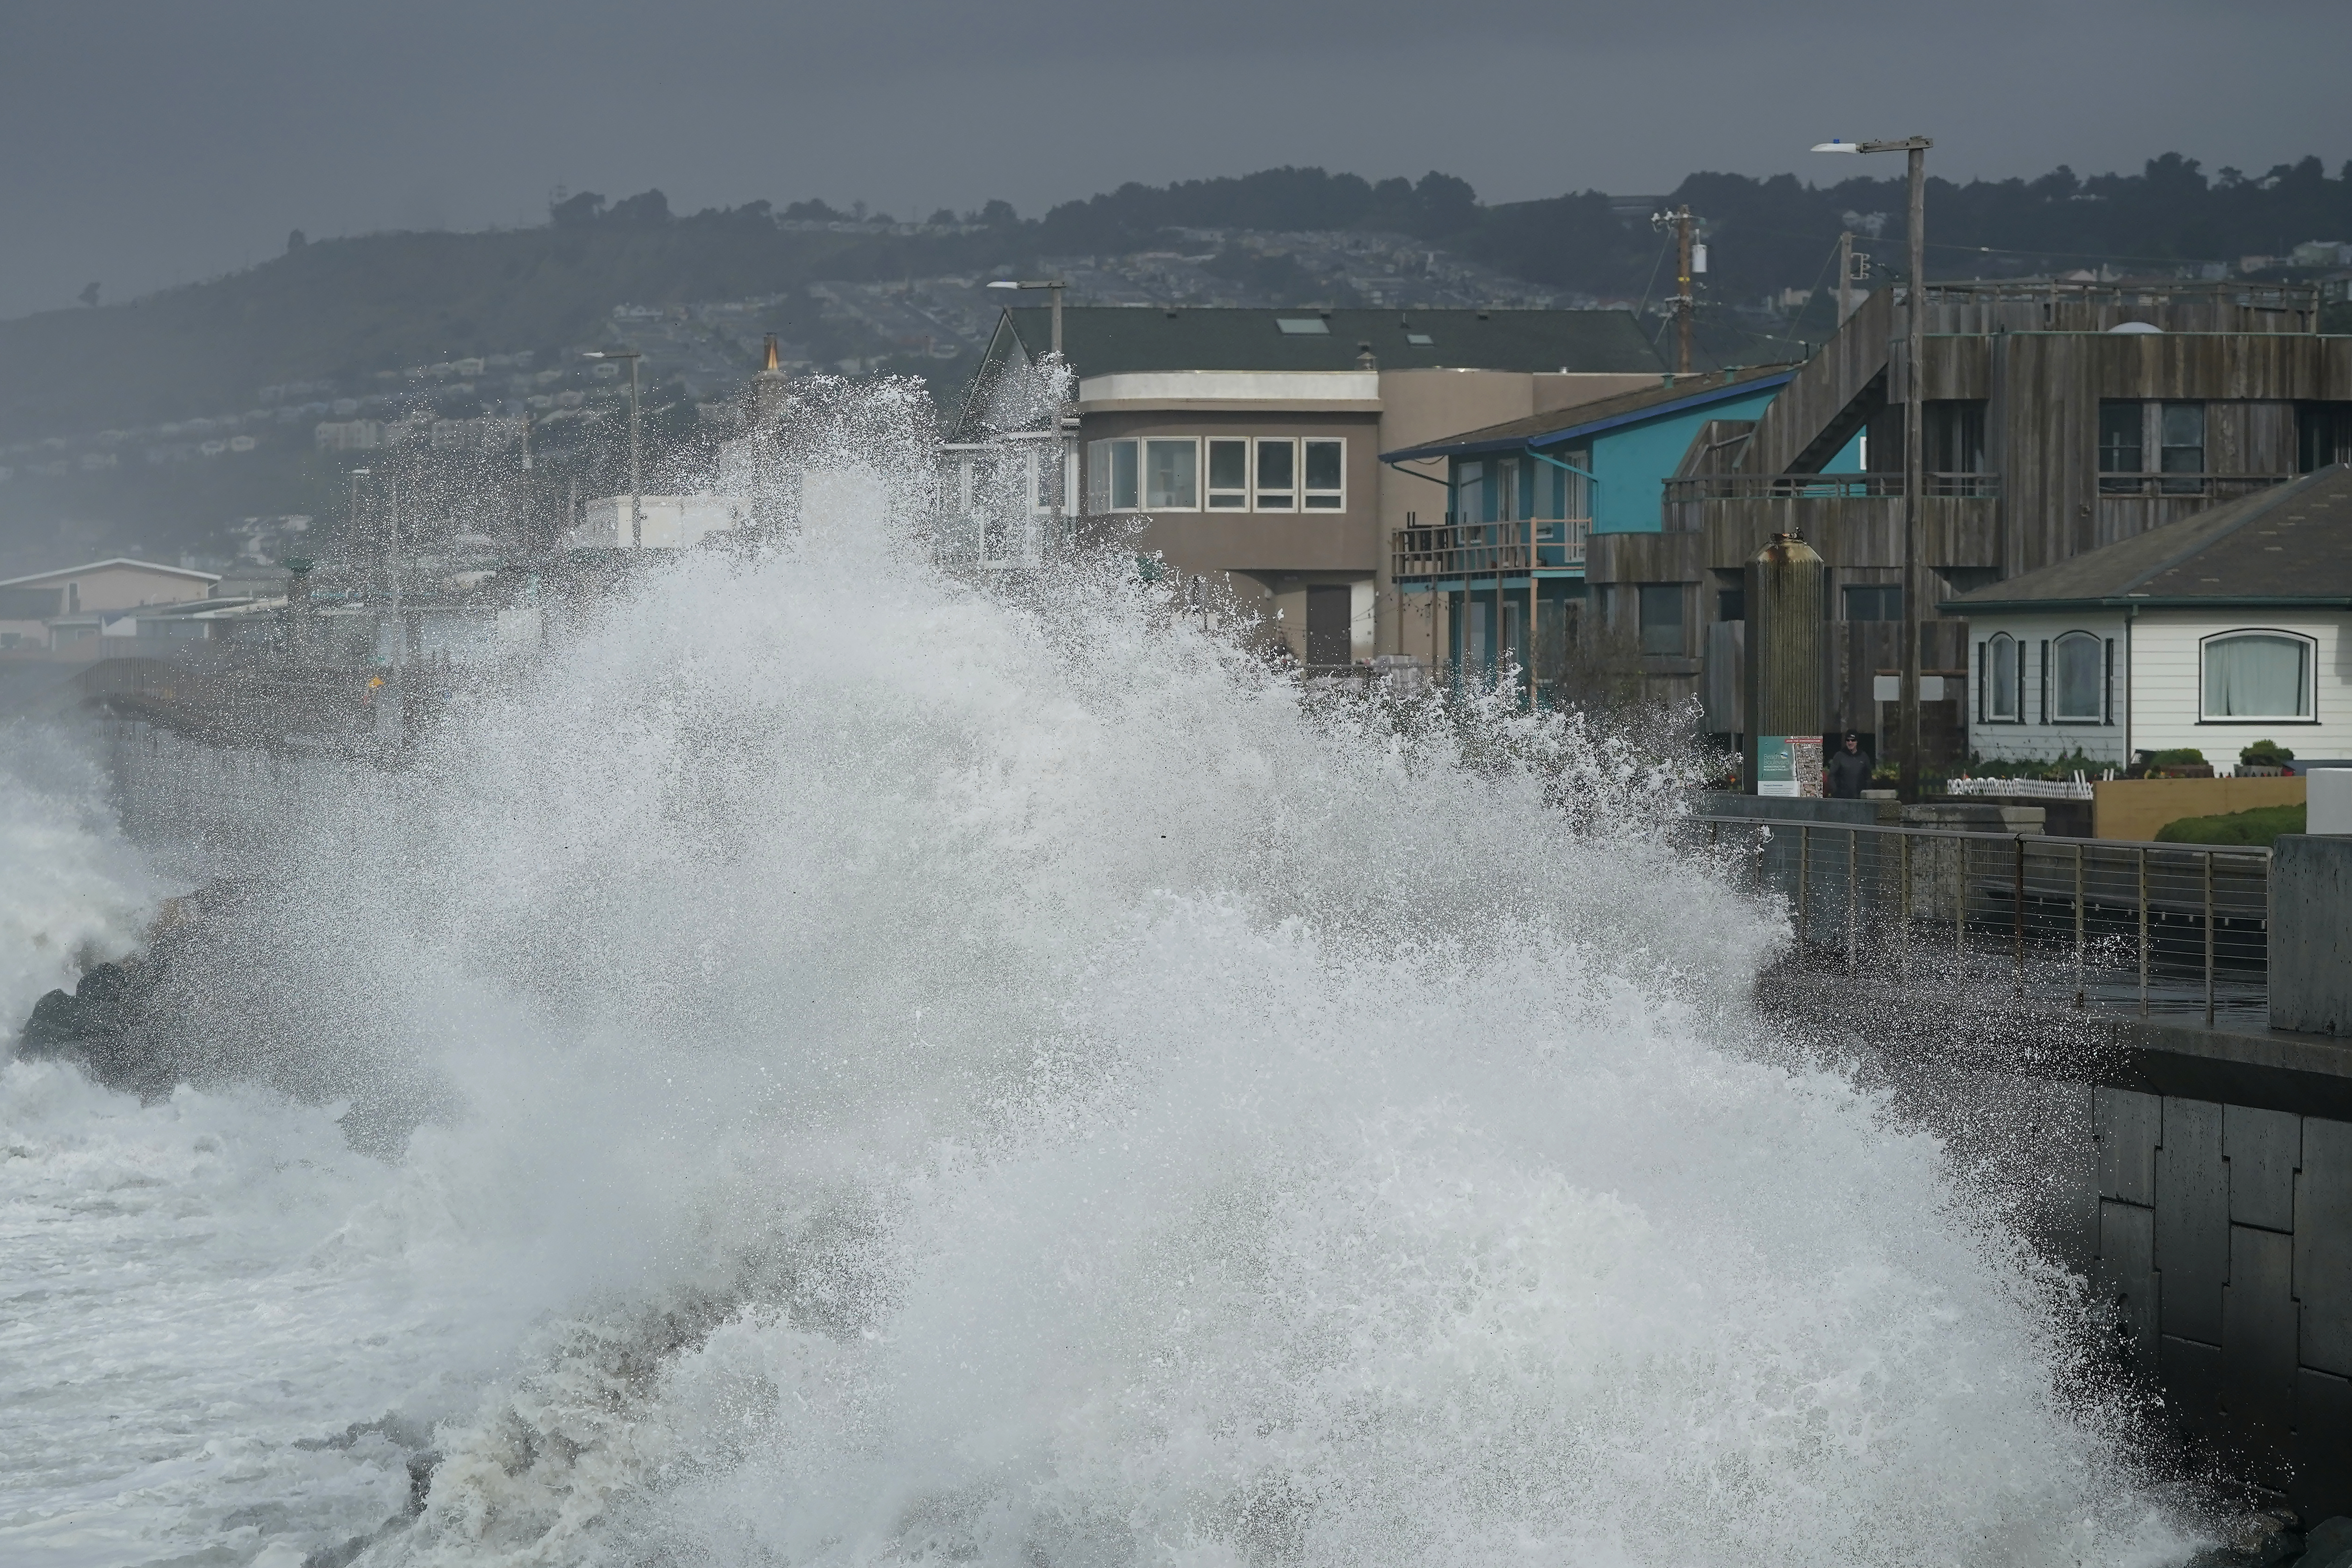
[1170, 483]
[1228, 476]
[1506, 491]
[1045, 464]
[2257, 675]
[2182, 430]
[2122, 447]
[1954, 430]
[1661, 618]
[1874, 601]
[1999, 676]
[2079, 688]
[1277, 475]
[2323, 435]
[1110, 477]
[2128, 432]
[1327, 469]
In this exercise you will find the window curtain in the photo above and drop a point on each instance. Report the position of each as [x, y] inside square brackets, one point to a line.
[2079, 672]
[2255, 677]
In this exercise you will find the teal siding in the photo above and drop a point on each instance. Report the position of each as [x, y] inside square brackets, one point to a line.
[1634, 461]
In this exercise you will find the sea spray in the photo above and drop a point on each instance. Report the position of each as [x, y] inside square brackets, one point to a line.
[968, 1070]
[72, 890]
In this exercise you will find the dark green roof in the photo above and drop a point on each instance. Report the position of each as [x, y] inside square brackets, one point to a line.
[2289, 544]
[1100, 340]
[1589, 418]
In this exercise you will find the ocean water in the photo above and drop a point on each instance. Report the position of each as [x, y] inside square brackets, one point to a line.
[922, 1072]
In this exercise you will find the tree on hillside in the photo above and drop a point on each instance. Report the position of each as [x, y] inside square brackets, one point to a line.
[646, 209]
[575, 212]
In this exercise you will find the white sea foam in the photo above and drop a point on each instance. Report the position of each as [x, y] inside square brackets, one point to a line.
[72, 891]
[948, 1075]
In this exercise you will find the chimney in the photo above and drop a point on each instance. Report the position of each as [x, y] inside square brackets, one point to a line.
[1365, 358]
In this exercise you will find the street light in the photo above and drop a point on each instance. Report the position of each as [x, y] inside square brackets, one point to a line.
[1053, 286]
[1914, 476]
[636, 513]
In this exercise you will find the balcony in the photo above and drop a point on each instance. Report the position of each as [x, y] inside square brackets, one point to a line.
[1491, 549]
[1827, 487]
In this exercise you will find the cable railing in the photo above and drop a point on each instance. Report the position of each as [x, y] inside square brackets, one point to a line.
[2160, 930]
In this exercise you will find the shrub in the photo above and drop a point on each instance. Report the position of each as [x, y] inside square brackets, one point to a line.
[2256, 827]
[2179, 757]
[2265, 755]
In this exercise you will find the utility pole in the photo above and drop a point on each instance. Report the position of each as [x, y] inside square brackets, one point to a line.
[392, 566]
[1845, 274]
[637, 508]
[1914, 478]
[1682, 299]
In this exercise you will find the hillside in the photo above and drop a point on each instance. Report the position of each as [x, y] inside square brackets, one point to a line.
[157, 423]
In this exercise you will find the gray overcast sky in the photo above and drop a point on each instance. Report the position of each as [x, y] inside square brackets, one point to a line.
[145, 143]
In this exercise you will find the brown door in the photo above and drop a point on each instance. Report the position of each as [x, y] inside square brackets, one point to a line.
[1327, 624]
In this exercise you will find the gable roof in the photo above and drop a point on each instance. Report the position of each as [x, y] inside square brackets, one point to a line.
[1114, 340]
[113, 561]
[1605, 414]
[2290, 544]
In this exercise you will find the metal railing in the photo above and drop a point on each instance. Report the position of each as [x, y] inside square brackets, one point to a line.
[1490, 549]
[2101, 923]
[1826, 487]
[2223, 487]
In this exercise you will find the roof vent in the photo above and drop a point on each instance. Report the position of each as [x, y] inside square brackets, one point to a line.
[1172, 312]
[1482, 316]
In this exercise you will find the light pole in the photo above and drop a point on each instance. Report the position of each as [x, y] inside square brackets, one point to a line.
[1054, 288]
[1914, 478]
[357, 475]
[637, 511]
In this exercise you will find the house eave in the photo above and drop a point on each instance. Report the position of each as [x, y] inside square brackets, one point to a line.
[2149, 602]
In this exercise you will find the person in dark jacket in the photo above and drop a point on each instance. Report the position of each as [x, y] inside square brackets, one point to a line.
[1849, 770]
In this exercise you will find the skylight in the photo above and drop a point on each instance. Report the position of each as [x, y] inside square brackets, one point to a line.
[1424, 339]
[1304, 326]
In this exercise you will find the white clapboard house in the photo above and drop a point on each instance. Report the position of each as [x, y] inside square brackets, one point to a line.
[2228, 626]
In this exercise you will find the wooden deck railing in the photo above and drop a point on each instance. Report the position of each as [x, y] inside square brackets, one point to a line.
[1487, 549]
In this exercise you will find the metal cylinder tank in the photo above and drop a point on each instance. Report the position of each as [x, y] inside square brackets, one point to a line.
[1781, 754]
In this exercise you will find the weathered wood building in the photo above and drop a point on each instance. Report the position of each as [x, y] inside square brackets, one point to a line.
[2059, 418]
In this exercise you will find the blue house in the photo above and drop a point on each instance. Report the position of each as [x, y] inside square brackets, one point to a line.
[1523, 500]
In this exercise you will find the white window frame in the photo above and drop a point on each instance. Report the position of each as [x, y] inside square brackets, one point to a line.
[1257, 493]
[1308, 496]
[1994, 688]
[1143, 471]
[1100, 474]
[2058, 683]
[2308, 697]
[1209, 492]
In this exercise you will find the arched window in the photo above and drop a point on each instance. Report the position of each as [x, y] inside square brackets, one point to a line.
[2078, 691]
[2257, 675]
[1998, 669]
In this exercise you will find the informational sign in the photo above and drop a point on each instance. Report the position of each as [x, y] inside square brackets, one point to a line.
[1788, 766]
